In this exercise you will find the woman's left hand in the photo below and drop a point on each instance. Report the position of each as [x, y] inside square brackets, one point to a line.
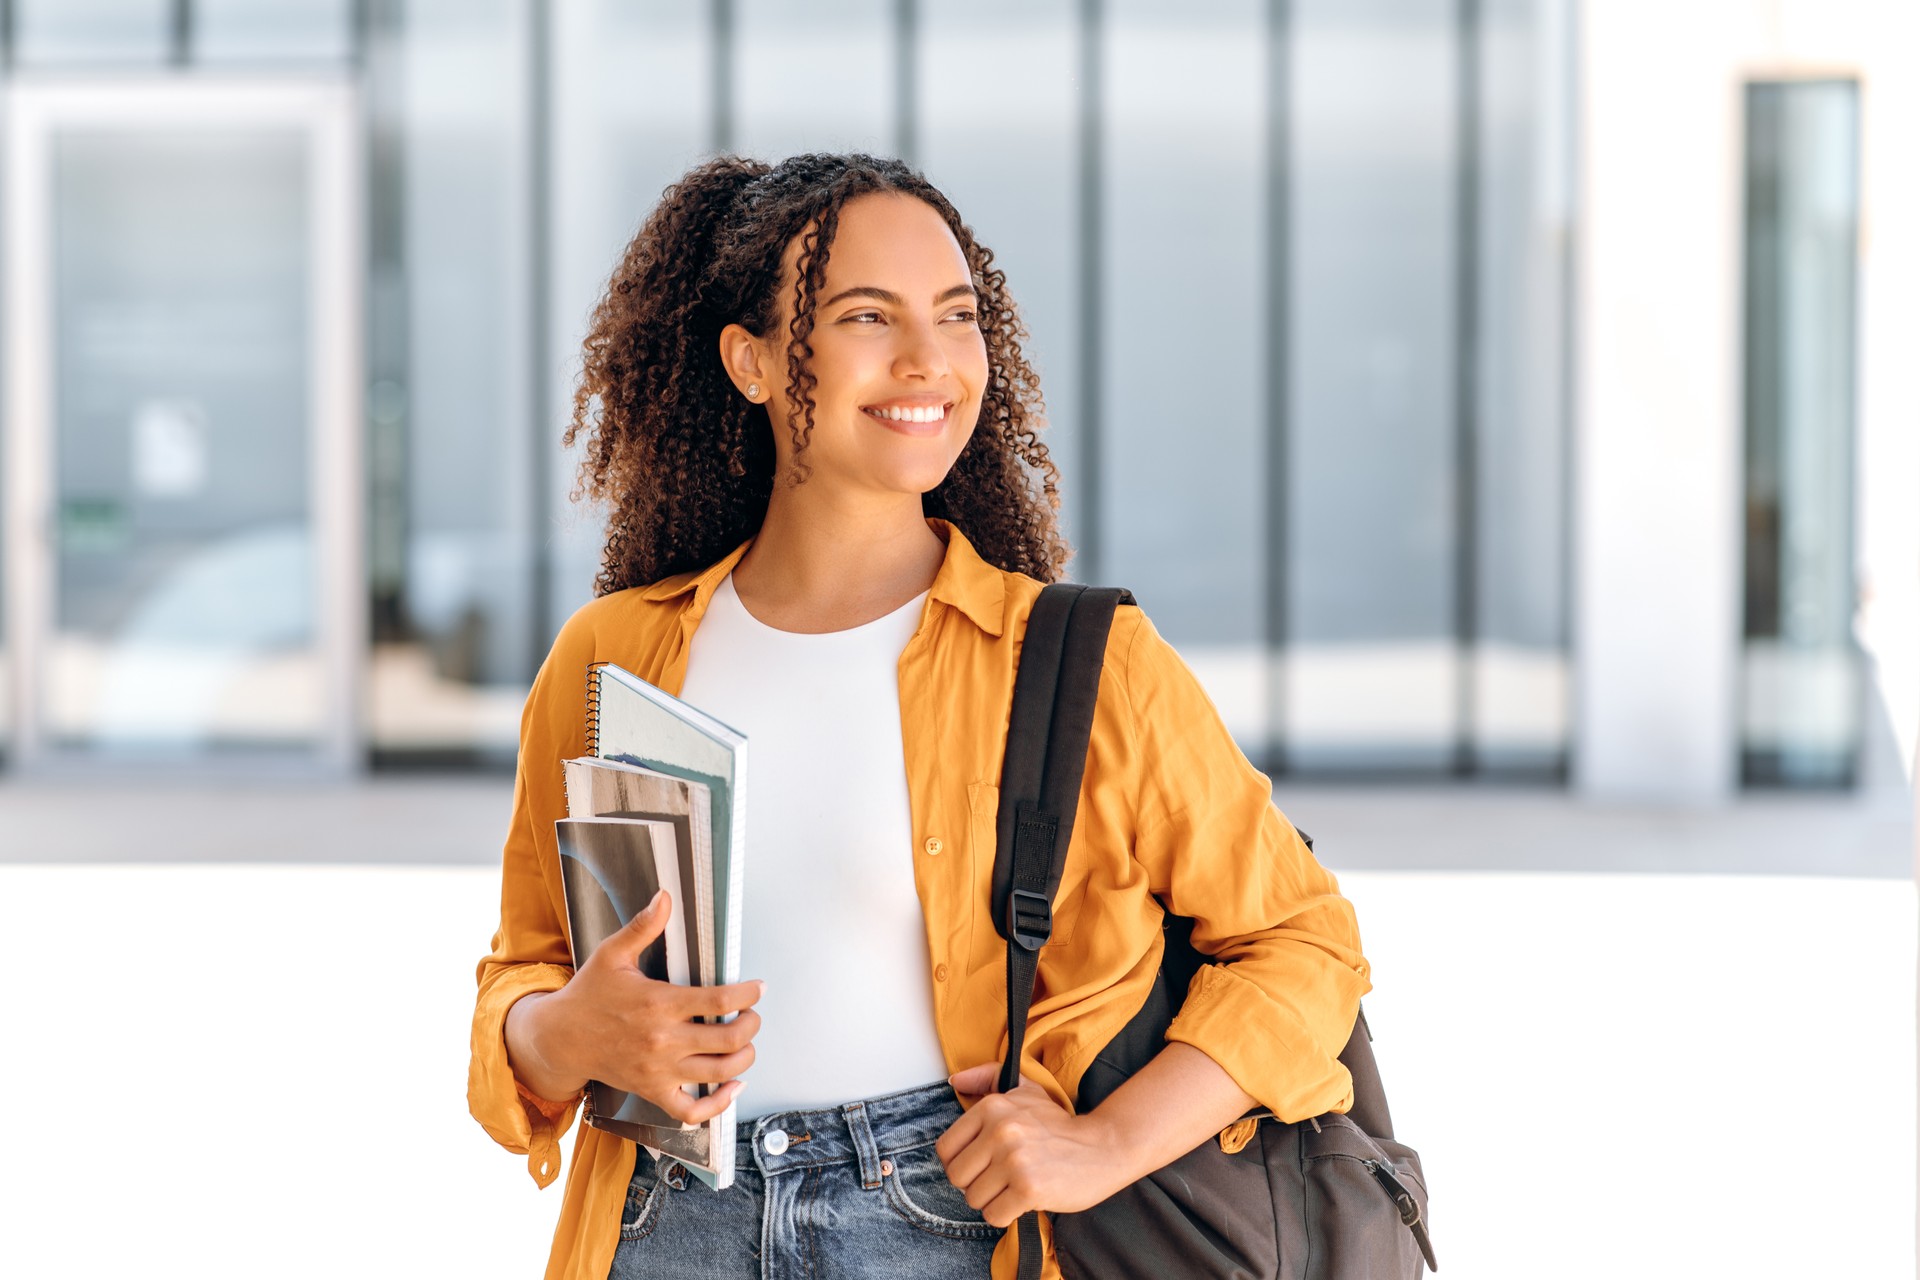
[1012, 1152]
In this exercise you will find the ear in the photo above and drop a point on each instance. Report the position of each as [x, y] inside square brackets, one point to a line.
[741, 356]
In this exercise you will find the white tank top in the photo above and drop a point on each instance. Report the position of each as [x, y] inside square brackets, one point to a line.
[832, 922]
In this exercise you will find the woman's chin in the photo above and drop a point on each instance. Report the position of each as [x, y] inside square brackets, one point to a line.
[917, 468]
[915, 478]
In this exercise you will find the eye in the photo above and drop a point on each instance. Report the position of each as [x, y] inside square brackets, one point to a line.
[965, 313]
[861, 315]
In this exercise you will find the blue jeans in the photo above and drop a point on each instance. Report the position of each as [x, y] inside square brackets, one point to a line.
[852, 1192]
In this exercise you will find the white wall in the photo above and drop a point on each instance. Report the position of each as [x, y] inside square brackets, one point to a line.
[1658, 438]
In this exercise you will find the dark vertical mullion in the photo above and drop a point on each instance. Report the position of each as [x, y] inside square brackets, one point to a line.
[358, 19]
[1089, 567]
[1850, 332]
[721, 70]
[1279, 340]
[906, 79]
[377, 36]
[1850, 335]
[1466, 379]
[1569, 402]
[180, 33]
[539, 306]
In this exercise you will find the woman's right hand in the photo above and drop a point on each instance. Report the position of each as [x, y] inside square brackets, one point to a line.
[613, 1023]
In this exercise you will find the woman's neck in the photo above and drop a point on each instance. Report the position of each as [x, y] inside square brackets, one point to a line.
[814, 569]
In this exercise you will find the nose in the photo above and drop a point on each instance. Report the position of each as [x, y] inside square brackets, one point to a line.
[920, 353]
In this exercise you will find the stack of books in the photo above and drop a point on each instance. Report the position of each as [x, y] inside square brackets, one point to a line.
[658, 802]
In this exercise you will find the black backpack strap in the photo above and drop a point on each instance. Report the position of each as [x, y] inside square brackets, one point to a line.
[1061, 657]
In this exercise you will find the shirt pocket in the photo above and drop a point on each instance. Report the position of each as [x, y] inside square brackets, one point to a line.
[983, 806]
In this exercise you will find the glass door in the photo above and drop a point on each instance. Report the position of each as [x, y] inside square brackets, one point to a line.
[183, 422]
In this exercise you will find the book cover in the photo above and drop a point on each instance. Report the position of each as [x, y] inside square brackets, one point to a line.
[631, 721]
[610, 868]
[611, 788]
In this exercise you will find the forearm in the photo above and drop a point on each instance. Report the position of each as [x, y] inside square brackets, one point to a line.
[523, 1053]
[1166, 1109]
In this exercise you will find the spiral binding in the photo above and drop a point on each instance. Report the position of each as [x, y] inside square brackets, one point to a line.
[593, 707]
[588, 1113]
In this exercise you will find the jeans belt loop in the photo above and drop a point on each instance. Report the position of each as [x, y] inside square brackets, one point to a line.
[864, 1145]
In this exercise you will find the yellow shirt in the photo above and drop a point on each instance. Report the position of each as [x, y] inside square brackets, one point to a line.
[1169, 808]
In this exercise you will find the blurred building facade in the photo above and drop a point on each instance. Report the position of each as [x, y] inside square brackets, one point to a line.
[1471, 389]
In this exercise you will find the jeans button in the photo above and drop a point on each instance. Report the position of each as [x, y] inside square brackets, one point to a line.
[775, 1141]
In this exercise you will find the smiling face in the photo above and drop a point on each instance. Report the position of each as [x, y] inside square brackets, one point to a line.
[898, 355]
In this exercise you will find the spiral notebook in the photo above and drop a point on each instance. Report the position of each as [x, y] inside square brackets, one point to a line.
[630, 721]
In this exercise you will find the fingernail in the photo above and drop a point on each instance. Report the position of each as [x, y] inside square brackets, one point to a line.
[654, 901]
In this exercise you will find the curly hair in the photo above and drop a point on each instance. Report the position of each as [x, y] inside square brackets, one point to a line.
[684, 464]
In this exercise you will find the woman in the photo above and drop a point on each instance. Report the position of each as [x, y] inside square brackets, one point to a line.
[807, 408]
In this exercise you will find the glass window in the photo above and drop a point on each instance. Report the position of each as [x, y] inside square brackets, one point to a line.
[92, 31]
[451, 677]
[184, 568]
[272, 30]
[1802, 696]
[1182, 342]
[1518, 714]
[1381, 665]
[1371, 657]
[8, 676]
[813, 75]
[633, 114]
[1004, 151]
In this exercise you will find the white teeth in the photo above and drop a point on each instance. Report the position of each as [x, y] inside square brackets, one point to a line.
[932, 413]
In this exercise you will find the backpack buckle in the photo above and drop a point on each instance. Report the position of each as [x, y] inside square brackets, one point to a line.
[1029, 919]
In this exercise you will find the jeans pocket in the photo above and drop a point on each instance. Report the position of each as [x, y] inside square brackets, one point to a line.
[919, 1190]
[646, 1194]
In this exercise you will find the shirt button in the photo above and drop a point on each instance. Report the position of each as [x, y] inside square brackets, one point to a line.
[775, 1141]
[934, 846]
[939, 973]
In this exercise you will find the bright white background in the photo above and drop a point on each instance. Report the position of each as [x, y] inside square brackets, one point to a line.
[238, 1071]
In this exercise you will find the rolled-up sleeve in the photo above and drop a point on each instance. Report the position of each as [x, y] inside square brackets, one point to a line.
[1280, 1002]
[530, 951]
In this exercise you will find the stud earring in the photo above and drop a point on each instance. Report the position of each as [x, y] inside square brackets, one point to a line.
[753, 391]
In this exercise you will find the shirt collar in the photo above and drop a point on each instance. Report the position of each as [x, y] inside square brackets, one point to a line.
[700, 582]
[965, 581]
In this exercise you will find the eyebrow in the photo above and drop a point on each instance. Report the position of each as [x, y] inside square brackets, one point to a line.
[893, 299]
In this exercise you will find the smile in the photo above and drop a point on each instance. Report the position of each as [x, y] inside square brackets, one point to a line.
[912, 419]
[918, 413]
